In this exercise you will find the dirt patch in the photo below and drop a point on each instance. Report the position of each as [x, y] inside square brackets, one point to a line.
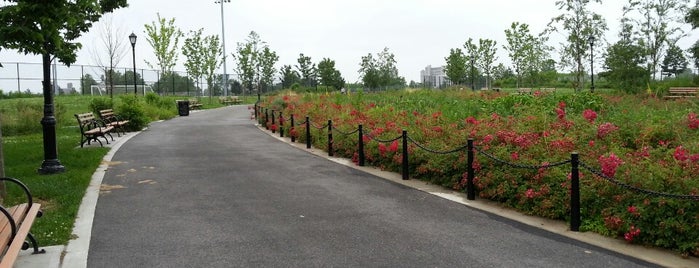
[147, 182]
[106, 188]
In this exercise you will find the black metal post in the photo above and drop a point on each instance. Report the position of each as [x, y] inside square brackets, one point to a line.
[266, 118]
[470, 190]
[404, 165]
[51, 164]
[293, 126]
[330, 138]
[591, 39]
[575, 193]
[308, 133]
[132, 39]
[361, 146]
[281, 125]
[256, 111]
[273, 122]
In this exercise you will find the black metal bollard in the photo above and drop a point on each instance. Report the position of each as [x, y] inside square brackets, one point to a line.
[281, 125]
[574, 193]
[266, 118]
[404, 165]
[470, 189]
[330, 138]
[256, 111]
[291, 128]
[273, 122]
[308, 133]
[361, 146]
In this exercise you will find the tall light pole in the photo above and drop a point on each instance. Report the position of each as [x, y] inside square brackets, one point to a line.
[132, 39]
[591, 40]
[223, 43]
[473, 84]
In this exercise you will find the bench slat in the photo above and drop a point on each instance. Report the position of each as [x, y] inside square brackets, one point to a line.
[6, 231]
[25, 225]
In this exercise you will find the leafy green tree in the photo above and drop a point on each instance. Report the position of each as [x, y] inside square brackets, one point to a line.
[50, 28]
[246, 65]
[455, 68]
[267, 58]
[289, 76]
[472, 56]
[174, 83]
[674, 62]
[656, 26]
[369, 72]
[578, 24]
[380, 71]
[308, 70]
[163, 37]
[692, 18]
[329, 76]
[192, 50]
[211, 53]
[86, 83]
[624, 63]
[519, 44]
[487, 49]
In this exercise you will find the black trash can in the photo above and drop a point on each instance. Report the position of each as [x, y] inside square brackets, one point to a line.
[183, 107]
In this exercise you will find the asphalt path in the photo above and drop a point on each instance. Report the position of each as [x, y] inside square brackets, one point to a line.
[212, 190]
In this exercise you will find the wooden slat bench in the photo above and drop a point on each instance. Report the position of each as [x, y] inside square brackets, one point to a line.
[113, 120]
[194, 104]
[15, 224]
[682, 92]
[524, 90]
[229, 100]
[91, 129]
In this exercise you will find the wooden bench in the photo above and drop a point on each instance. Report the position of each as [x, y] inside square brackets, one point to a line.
[524, 90]
[682, 92]
[91, 129]
[229, 100]
[113, 120]
[15, 225]
[547, 89]
[195, 104]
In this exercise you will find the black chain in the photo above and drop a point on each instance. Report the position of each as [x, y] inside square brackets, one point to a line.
[515, 165]
[304, 122]
[346, 133]
[319, 127]
[435, 151]
[636, 189]
[384, 141]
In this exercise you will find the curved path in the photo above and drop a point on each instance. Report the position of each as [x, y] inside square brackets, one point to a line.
[212, 190]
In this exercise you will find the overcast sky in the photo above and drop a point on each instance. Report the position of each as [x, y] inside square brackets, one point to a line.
[417, 32]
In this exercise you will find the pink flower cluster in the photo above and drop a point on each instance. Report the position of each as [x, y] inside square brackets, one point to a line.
[609, 164]
[590, 115]
[606, 128]
[693, 121]
[632, 233]
[681, 154]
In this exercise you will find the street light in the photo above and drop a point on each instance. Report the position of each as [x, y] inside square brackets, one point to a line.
[473, 85]
[223, 43]
[132, 39]
[591, 40]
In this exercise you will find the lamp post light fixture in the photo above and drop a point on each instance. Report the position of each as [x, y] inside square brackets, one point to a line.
[132, 39]
[223, 44]
[591, 41]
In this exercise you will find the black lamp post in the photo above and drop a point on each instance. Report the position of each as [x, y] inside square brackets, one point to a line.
[473, 84]
[591, 40]
[51, 165]
[132, 39]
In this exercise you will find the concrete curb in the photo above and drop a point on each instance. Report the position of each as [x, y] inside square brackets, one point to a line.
[658, 256]
[75, 253]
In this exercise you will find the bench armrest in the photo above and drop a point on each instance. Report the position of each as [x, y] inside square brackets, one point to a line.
[24, 188]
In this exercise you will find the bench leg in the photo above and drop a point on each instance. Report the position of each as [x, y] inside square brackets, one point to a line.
[35, 245]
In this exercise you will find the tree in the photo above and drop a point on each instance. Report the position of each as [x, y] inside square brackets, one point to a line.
[578, 23]
[192, 50]
[455, 68]
[289, 76]
[623, 62]
[173, 83]
[267, 58]
[114, 48]
[472, 57]
[86, 83]
[674, 62]
[210, 54]
[329, 76]
[520, 44]
[164, 38]
[657, 26]
[307, 69]
[486, 55]
[50, 28]
[246, 65]
[380, 71]
[692, 18]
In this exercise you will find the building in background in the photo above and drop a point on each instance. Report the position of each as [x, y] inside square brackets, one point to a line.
[434, 77]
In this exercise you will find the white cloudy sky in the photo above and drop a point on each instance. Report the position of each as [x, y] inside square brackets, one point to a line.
[418, 32]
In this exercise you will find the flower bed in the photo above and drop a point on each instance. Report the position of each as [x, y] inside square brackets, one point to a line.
[644, 143]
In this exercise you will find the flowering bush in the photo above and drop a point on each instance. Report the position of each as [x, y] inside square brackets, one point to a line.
[634, 144]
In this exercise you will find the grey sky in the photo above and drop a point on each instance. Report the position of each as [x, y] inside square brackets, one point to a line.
[418, 32]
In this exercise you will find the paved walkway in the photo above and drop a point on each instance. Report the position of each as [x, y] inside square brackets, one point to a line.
[213, 190]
